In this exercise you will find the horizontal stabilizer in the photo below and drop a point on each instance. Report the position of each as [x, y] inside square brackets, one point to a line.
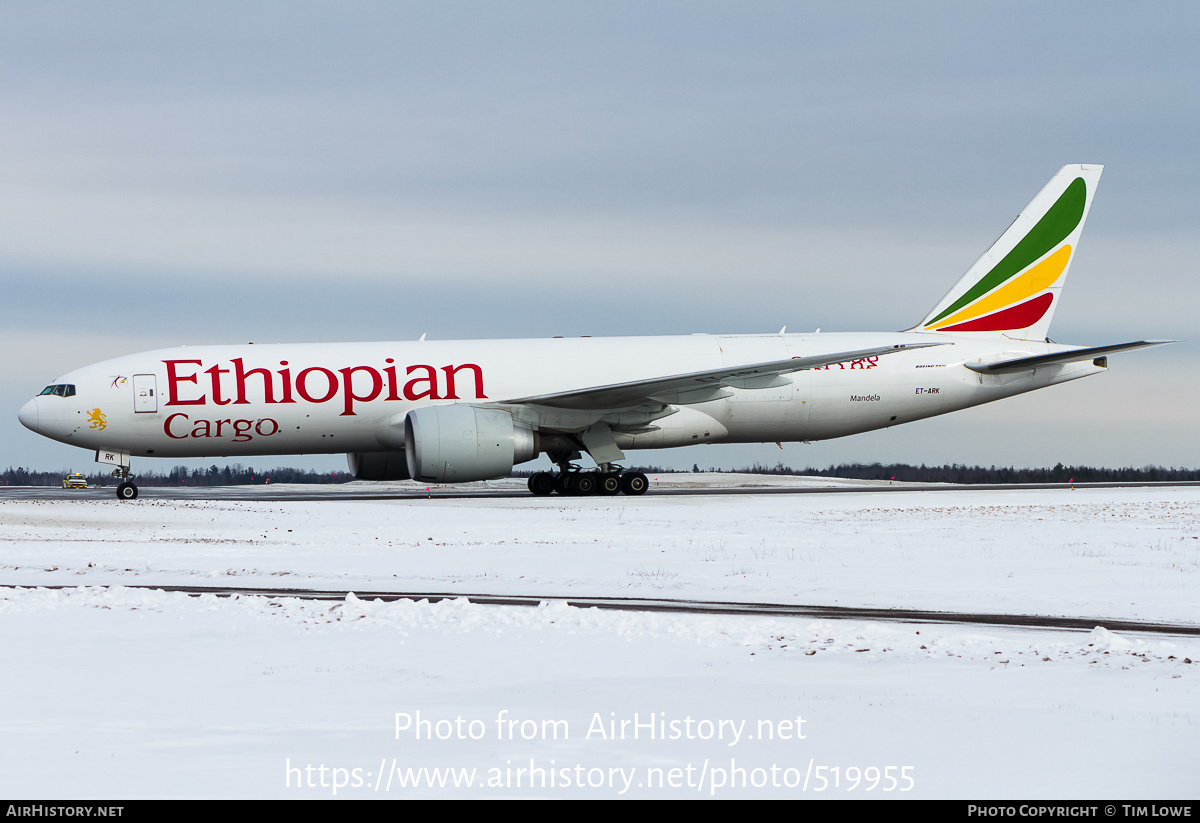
[624, 395]
[1073, 356]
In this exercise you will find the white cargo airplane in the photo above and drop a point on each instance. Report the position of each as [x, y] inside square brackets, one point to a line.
[456, 411]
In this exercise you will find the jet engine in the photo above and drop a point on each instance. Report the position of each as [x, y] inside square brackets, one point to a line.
[378, 465]
[459, 443]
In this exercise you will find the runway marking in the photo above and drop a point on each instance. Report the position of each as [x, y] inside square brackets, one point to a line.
[263, 494]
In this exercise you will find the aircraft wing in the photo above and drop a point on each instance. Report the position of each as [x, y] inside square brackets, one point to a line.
[1073, 356]
[701, 386]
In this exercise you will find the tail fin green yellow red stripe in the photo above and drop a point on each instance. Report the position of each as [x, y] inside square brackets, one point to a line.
[1013, 287]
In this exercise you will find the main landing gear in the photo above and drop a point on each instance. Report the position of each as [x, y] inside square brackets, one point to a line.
[583, 483]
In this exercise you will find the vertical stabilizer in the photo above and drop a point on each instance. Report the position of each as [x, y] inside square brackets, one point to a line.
[1013, 289]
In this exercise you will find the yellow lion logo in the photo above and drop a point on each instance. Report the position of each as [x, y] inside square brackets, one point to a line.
[96, 420]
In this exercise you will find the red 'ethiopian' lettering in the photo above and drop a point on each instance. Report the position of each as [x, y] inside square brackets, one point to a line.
[242, 386]
[453, 370]
[302, 385]
[430, 380]
[348, 387]
[173, 381]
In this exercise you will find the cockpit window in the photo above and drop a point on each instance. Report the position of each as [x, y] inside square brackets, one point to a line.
[61, 389]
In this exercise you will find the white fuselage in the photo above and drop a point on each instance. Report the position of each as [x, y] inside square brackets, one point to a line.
[210, 401]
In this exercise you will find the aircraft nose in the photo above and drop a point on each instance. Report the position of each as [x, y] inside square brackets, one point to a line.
[28, 415]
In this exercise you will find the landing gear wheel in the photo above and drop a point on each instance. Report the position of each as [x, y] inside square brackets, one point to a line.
[634, 483]
[562, 483]
[541, 484]
[583, 484]
[609, 484]
[126, 491]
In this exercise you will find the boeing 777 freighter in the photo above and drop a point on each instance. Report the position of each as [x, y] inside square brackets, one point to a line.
[457, 411]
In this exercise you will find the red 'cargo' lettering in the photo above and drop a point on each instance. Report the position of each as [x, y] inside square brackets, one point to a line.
[176, 428]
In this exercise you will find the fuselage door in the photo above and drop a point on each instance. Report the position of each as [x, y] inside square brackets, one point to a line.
[145, 393]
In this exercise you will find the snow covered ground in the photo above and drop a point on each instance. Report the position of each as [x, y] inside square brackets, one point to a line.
[118, 692]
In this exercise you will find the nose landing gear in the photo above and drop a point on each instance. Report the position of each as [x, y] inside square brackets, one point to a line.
[125, 489]
[115, 457]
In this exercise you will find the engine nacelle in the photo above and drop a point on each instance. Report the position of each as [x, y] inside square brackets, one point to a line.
[378, 465]
[459, 443]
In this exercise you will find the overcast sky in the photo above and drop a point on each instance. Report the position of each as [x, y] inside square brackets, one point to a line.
[227, 172]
